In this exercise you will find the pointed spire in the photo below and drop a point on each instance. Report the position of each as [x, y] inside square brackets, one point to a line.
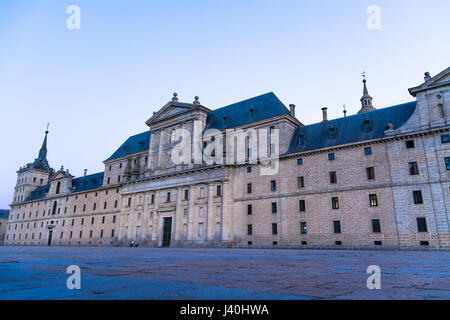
[41, 161]
[366, 99]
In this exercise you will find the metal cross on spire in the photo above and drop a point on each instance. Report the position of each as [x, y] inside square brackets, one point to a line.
[48, 125]
[364, 75]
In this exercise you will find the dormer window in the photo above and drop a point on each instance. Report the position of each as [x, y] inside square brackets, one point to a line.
[367, 125]
[225, 120]
[301, 139]
[332, 133]
[252, 112]
[141, 144]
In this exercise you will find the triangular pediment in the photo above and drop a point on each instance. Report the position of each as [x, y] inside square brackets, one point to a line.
[61, 175]
[170, 109]
[441, 79]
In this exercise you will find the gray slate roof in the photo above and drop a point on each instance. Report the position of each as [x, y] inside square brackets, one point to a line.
[360, 127]
[4, 214]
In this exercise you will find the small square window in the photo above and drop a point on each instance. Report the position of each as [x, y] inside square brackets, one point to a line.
[424, 243]
[445, 138]
[338, 243]
[413, 168]
[301, 140]
[378, 243]
[249, 169]
[331, 156]
[409, 144]
[373, 200]
[304, 243]
[368, 151]
[300, 161]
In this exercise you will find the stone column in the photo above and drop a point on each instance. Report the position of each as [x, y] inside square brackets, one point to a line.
[227, 212]
[155, 224]
[210, 229]
[160, 163]
[178, 217]
[191, 214]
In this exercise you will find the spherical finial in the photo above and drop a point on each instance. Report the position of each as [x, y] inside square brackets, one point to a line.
[196, 100]
[175, 97]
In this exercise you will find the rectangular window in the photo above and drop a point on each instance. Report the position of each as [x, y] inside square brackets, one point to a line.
[370, 173]
[101, 233]
[186, 194]
[376, 227]
[445, 138]
[447, 163]
[115, 204]
[272, 130]
[249, 229]
[368, 151]
[333, 177]
[300, 161]
[103, 219]
[168, 197]
[422, 225]
[112, 233]
[114, 219]
[335, 203]
[301, 182]
[81, 234]
[274, 207]
[274, 229]
[303, 229]
[249, 169]
[409, 144]
[413, 168]
[273, 185]
[331, 156]
[337, 226]
[249, 188]
[129, 202]
[104, 205]
[219, 191]
[373, 200]
[118, 178]
[302, 205]
[417, 195]
[109, 180]
[249, 209]
[152, 199]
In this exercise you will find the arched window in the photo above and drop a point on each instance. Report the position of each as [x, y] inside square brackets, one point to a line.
[58, 187]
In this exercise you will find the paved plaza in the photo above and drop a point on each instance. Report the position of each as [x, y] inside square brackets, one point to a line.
[141, 273]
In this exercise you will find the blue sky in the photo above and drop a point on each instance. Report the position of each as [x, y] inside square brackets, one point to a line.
[98, 85]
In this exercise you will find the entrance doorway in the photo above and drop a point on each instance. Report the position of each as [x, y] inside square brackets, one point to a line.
[50, 234]
[167, 232]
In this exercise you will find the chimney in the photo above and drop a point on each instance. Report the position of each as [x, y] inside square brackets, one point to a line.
[85, 172]
[292, 107]
[325, 116]
[427, 76]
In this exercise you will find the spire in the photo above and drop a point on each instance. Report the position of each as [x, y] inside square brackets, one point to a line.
[41, 161]
[366, 99]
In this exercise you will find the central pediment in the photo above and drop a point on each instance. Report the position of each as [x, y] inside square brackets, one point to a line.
[441, 79]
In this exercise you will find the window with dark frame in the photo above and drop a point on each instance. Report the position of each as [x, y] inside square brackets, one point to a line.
[302, 205]
[249, 229]
[274, 207]
[273, 185]
[445, 138]
[422, 225]
[409, 144]
[413, 168]
[417, 196]
[331, 156]
[249, 188]
[337, 226]
[333, 177]
[370, 173]
[249, 209]
[335, 203]
[300, 161]
[376, 226]
[301, 182]
[303, 229]
[274, 229]
[368, 151]
[447, 163]
[373, 200]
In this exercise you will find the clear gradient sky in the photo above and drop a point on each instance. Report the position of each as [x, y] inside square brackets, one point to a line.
[98, 85]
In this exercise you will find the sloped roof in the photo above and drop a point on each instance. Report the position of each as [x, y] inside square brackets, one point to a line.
[4, 214]
[38, 193]
[90, 182]
[137, 143]
[238, 114]
[350, 129]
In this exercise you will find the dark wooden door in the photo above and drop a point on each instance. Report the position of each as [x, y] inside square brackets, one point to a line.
[49, 241]
[167, 232]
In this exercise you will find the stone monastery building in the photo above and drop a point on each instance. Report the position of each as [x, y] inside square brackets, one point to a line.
[380, 178]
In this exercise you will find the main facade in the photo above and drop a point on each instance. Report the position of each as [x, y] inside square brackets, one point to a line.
[380, 178]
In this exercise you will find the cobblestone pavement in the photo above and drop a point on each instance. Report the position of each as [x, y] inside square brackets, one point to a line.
[141, 273]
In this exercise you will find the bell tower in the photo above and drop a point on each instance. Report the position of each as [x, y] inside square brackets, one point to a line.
[33, 175]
